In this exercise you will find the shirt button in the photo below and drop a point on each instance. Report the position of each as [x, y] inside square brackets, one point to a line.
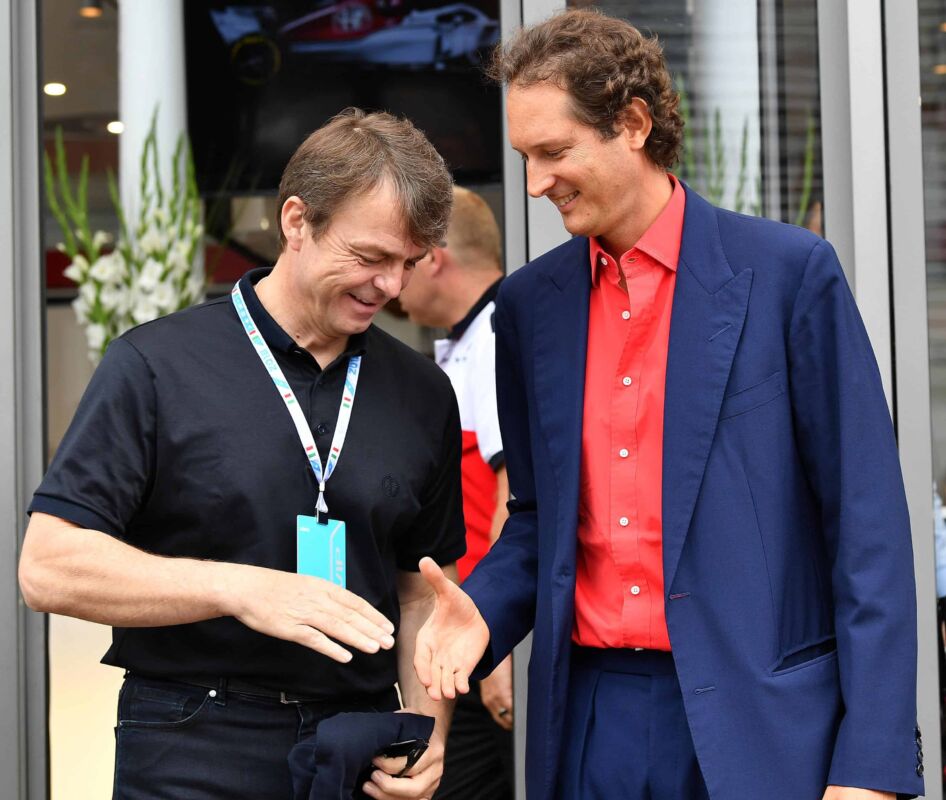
[635, 590]
[322, 429]
[604, 261]
[623, 522]
[626, 381]
[625, 315]
[623, 452]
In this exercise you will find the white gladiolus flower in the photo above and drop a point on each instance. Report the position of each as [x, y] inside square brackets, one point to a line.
[195, 288]
[150, 275]
[114, 297]
[109, 268]
[73, 273]
[150, 271]
[61, 247]
[81, 307]
[179, 257]
[164, 296]
[95, 336]
[152, 241]
[144, 310]
[88, 293]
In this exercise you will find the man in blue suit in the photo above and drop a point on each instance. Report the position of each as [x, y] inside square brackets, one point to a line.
[769, 649]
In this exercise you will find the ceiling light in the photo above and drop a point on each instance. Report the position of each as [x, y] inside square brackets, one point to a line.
[55, 89]
[264, 224]
[91, 9]
[940, 69]
[116, 126]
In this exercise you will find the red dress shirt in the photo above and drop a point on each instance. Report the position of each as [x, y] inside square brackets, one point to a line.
[619, 591]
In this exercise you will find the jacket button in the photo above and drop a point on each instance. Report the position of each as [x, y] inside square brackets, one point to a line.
[919, 770]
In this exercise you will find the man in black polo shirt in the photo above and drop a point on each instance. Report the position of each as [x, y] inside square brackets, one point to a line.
[195, 504]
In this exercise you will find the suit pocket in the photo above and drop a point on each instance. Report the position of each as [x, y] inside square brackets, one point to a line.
[753, 396]
[807, 656]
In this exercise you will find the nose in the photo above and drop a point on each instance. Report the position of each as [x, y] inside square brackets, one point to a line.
[390, 281]
[538, 179]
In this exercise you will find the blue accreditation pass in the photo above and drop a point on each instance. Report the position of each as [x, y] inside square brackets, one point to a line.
[320, 549]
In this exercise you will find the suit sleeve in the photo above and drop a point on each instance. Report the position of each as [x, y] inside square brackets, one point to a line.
[503, 584]
[848, 446]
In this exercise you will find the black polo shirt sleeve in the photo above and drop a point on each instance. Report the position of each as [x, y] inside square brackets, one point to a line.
[438, 530]
[100, 474]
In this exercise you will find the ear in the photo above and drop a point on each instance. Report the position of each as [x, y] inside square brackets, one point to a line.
[292, 219]
[438, 259]
[636, 123]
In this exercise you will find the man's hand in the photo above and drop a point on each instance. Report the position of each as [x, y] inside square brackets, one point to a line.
[452, 641]
[66, 569]
[850, 793]
[420, 782]
[496, 694]
[307, 610]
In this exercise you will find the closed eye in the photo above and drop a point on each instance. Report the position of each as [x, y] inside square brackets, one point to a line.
[365, 260]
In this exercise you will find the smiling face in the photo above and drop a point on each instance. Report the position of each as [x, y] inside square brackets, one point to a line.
[596, 184]
[361, 261]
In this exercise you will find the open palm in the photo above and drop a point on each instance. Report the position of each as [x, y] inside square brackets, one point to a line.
[451, 641]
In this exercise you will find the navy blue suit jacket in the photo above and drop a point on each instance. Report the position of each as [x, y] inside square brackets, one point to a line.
[790, 596]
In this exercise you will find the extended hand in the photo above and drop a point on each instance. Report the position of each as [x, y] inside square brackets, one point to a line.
[851, 793]
[452, 641]
[307, 610]
[496, 694]
[420, 782]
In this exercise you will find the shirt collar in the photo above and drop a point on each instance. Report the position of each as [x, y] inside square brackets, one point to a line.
[661, 241]
[276, 337]
[488, 296]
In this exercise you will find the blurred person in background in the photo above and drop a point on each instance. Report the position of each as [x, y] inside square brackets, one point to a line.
[455, 288]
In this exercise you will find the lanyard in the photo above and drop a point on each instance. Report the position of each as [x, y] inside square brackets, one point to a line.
[292, 405]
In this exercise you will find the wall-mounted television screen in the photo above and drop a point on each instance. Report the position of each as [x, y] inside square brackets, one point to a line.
[262, 76]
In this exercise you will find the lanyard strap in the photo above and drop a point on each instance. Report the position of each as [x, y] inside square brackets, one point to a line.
[292, 405]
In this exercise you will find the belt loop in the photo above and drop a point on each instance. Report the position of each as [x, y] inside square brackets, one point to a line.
[220, 693]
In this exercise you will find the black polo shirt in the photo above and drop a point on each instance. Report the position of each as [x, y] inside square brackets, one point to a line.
[182, 446]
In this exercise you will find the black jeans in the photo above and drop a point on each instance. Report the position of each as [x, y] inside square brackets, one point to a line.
[184, 742]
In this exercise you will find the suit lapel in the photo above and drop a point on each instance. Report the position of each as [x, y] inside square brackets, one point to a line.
[709, 309]
[561, 341]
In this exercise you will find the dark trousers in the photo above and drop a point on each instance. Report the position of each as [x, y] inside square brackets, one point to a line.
[479, 760]
[626, 733]
[184, 742]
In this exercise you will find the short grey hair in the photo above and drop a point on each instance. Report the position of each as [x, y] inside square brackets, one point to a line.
[353, 153]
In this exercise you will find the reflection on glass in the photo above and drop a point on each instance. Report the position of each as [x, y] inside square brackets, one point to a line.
[748, 78]
[262, 75]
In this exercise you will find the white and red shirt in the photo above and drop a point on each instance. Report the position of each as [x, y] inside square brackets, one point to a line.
[468, 356]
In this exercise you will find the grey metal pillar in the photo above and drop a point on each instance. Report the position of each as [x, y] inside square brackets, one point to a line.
[850, 46]
[911, 351]
[23, 743]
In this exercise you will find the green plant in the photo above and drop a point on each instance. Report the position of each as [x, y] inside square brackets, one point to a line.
[153, 268]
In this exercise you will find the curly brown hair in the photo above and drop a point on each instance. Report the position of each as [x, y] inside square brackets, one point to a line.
[603, 63]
